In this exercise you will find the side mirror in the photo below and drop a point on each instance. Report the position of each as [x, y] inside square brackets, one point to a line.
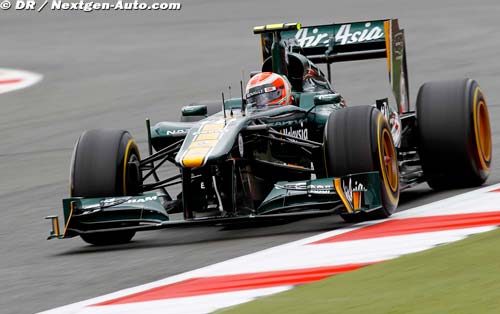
[327, 99]
[194, 110]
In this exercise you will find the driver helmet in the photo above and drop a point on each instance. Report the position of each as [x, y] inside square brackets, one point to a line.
[268, 90]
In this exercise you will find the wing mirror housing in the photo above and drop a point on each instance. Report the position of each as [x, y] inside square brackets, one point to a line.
[194, 110]
[326, 99]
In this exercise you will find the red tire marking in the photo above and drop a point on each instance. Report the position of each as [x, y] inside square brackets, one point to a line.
[398, 227]
[228, 283]
[496, 190]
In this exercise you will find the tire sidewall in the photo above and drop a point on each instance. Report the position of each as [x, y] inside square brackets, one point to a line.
[126, 181]
[479, 165]
[99, 165]
[449, 145]
[356, 133]
[390, 195]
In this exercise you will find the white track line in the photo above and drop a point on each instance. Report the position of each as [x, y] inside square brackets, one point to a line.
[11, 80]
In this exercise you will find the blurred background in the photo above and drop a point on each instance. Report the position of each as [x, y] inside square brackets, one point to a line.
[116, 68]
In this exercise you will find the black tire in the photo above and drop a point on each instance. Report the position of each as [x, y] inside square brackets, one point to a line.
[358, 139]
[100, 168]
[212, 108]
[454, 132]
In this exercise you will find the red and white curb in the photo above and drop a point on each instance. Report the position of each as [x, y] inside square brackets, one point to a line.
[11, 80]
[280, 268]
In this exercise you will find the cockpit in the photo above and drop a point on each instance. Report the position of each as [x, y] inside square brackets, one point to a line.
[304, 76]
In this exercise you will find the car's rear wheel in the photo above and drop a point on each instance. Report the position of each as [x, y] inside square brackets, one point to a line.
[358, 139]
[455, 134]
[105, 163]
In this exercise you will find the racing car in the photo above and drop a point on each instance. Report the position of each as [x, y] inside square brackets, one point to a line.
[289, 147]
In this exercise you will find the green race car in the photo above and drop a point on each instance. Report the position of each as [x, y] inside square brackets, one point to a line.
[312, 156]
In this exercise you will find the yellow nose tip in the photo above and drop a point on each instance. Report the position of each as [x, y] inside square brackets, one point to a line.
[194, 157]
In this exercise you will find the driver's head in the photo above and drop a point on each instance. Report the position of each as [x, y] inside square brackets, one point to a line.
[267, 90]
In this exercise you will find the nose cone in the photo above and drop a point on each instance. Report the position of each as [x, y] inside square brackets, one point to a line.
[200, 142]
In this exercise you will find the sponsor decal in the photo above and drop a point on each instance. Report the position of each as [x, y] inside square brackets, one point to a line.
[320, 189]
[300, 186]
[289, 129]
[287, 123]
[393, 118]
[298, 133]
[306, 39]
[260, 90]
[395, 123]
[176, 132]
[129, 200]
[399, 44]
[310, 188]
[346, 34]
[255, 92]
[143, 200]
[327, 97]
[354, 193]
[383, 106]
[403, 103]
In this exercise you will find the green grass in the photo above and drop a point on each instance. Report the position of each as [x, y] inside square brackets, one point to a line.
[462, 277]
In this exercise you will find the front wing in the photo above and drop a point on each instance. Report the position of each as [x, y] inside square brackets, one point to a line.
[351, 194]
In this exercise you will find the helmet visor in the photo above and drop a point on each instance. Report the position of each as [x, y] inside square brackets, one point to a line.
[261, 96]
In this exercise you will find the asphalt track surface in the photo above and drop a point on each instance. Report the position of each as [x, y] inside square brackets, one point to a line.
[114, 69]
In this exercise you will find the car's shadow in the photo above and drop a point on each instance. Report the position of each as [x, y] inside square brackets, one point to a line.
[206, 235]
[289, 230]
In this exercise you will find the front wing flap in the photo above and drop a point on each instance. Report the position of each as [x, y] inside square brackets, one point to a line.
[352, 194]
[87, 214]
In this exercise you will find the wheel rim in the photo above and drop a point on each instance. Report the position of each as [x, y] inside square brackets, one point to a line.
[484, 131]
[131, 151]
[389, 160]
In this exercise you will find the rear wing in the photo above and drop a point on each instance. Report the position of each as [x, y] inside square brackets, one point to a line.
[349, 42]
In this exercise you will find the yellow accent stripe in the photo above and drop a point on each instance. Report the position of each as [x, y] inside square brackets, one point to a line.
[338, 187]
[275, 26]
[387, 30]
[356, 199]
[476, 132]
[278, 26]
[55, 226]
[212, 127]
[382, 166]
[72, 206]
[194, 156]
[202, 144]
[208, 136]
[125, 160]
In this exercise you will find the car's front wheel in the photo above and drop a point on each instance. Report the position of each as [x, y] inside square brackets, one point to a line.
[358, 139]
[105, 163]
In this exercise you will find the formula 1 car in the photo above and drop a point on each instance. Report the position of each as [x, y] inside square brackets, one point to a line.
[314, 157]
